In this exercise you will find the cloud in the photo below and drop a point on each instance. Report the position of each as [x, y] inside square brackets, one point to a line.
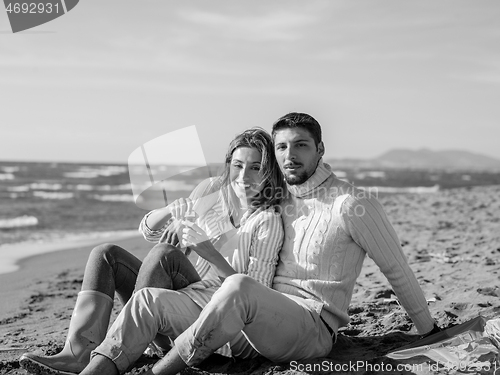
[492, 77]
[273, 26]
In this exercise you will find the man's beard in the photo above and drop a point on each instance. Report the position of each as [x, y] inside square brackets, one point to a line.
[296, 179]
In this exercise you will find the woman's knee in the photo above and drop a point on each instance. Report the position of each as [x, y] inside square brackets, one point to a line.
[104, 252]
[161, 252]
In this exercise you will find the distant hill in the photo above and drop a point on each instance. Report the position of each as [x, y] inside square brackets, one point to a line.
[422, 159]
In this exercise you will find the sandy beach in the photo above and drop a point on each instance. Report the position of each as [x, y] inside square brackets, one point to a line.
[451, 238]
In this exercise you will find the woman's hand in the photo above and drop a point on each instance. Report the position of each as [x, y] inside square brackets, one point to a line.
[180, 207]
[177, 209]
[195, 237]
[172, 233]
[197, 240]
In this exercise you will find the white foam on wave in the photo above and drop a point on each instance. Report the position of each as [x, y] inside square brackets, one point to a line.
[370, 174]
[81, 187]
[89, 172]
[81, 174]
[114, 197]
[18, 189]
[87, 187]
[35, 186]
[411, 189]
[6, 176]
[18, 222]
[9, 169]
[114, 187]
[44, 186]
[52, 195]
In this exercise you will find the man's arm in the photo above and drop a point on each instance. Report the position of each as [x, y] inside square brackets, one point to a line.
[366, 222]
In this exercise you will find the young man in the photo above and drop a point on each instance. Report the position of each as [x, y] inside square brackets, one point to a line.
[329, 228]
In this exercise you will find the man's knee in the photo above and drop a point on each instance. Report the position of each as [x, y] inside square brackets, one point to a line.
[162, 305]
[239, 284]
[145, 298]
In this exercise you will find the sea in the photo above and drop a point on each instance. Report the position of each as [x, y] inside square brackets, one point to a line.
[43, 202]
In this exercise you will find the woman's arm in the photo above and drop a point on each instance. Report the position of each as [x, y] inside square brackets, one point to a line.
[155, 222]
[150, 234]
[158, 218]
[266, 243]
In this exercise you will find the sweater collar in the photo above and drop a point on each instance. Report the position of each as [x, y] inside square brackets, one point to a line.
[322, 172]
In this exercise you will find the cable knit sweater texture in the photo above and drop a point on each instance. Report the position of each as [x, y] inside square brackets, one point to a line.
[329, 228]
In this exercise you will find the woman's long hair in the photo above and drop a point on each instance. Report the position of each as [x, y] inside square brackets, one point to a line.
[274, 186]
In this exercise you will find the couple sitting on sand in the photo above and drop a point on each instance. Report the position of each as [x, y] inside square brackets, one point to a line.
[276, 271]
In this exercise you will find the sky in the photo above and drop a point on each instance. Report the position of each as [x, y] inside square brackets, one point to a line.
[109, 76]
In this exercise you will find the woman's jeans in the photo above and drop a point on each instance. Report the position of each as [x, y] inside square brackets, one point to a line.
[111, 269]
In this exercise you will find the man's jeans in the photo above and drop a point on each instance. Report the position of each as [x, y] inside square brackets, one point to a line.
[254, 319]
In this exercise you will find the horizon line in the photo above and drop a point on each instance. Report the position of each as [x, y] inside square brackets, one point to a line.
[216, 162]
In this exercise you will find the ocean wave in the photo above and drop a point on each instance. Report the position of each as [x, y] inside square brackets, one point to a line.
[35, 186]
[167, 185]
[52, 195]
[172, 185]
[371, 174]
[9, 169]
[88, 172]
[114, 198]
[411, 189]
[114, 187]
[87, 187]
[6, 176]
[44, 186]
[81, 187]
[18, 222]
[18, 189]
[83, 174]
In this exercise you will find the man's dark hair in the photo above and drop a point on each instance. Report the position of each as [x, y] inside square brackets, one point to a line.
[299, 120]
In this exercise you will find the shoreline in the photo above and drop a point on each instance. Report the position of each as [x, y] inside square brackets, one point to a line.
[12, 255]
[17, 286]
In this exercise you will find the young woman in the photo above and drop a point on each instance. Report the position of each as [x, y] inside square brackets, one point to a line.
[236, 230]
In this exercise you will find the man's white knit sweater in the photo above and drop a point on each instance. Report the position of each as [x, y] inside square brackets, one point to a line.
[329, 228]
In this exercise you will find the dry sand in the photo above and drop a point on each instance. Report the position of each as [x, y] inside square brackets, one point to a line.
[451, 238]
